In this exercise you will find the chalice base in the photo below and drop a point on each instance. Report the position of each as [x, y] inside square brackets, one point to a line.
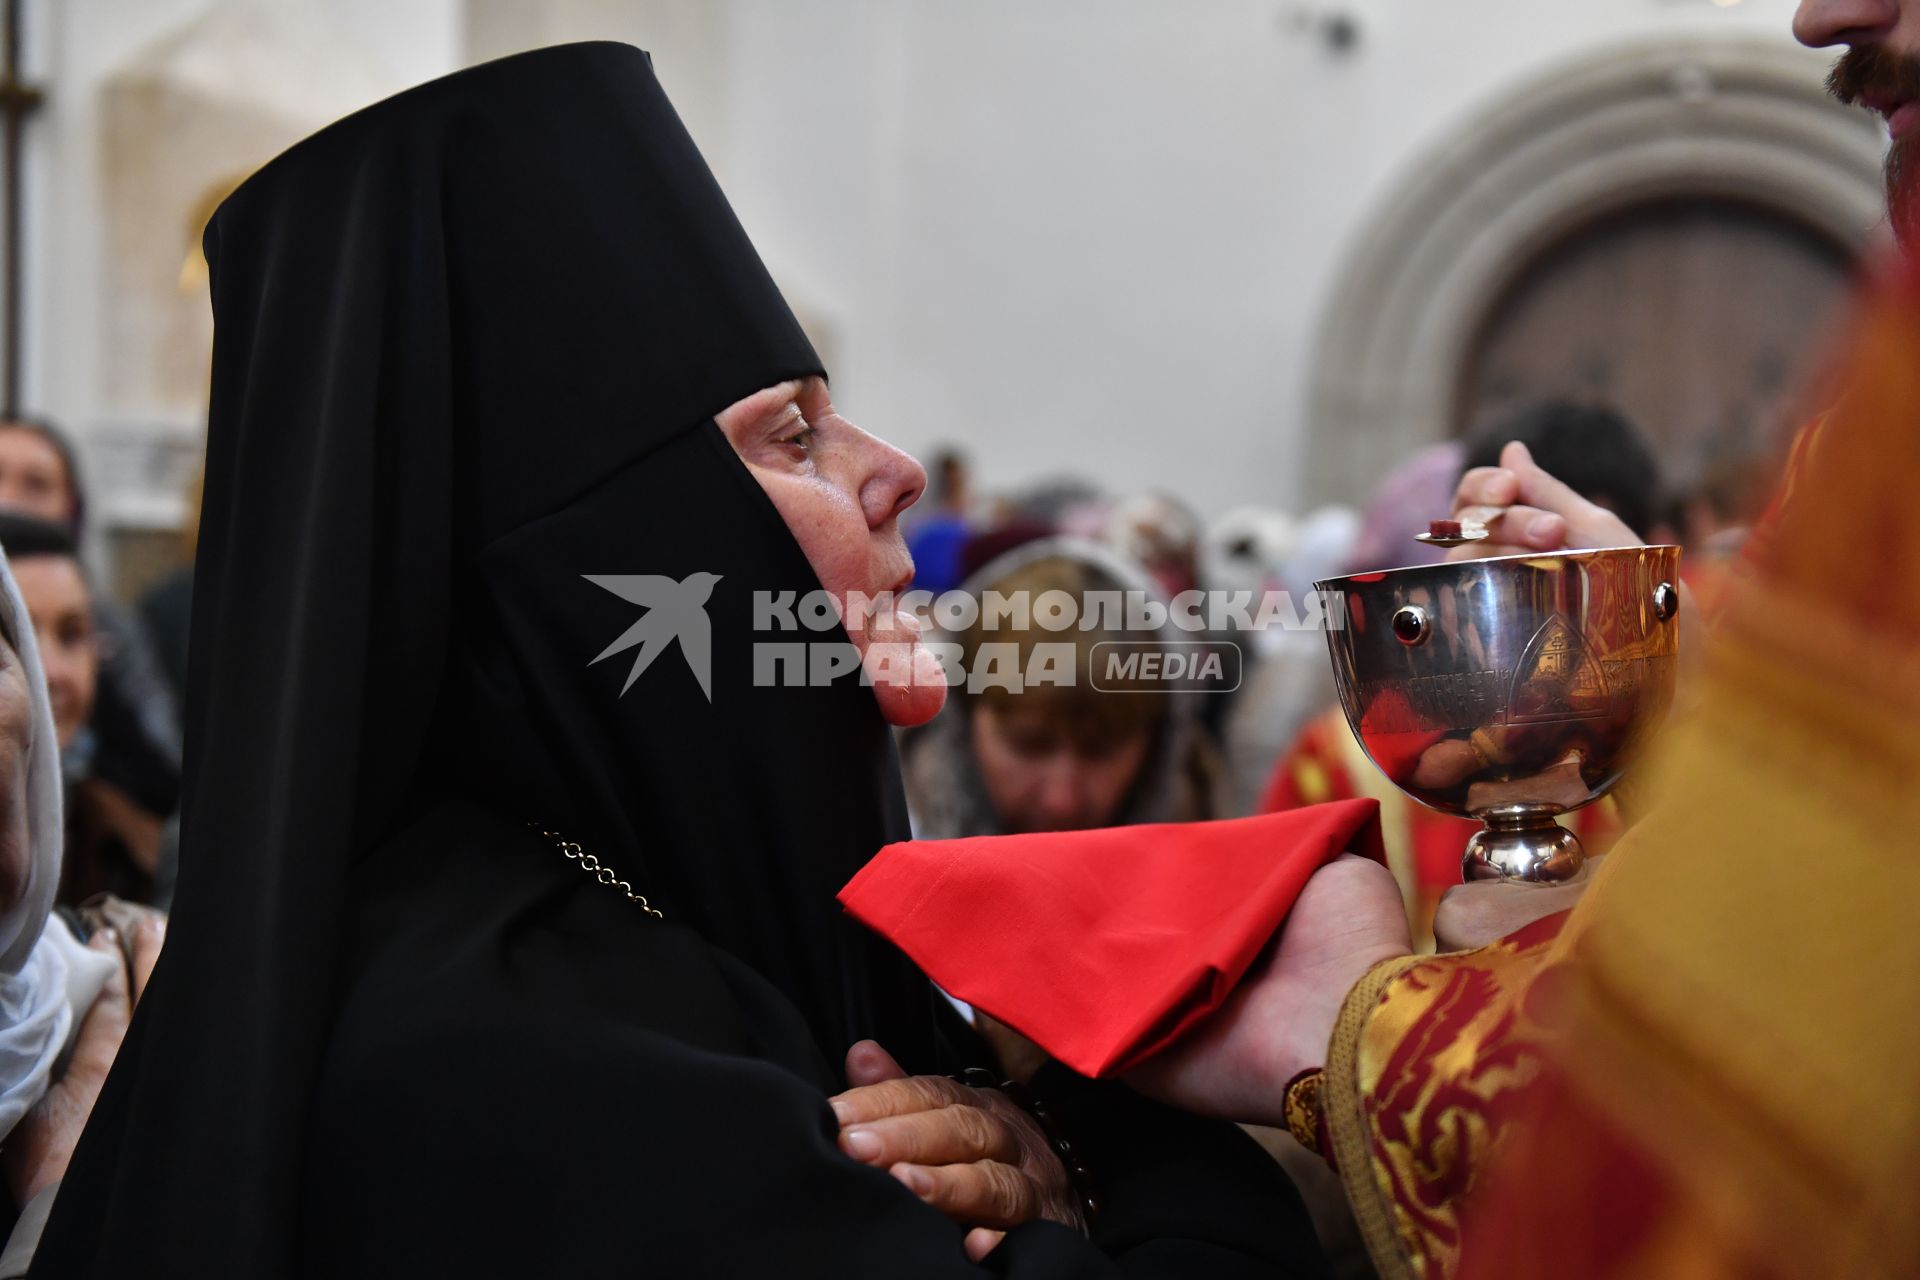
[1526, 845]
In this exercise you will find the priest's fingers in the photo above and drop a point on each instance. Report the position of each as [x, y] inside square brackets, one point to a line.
[1539, 487]
[1538, 497]
[982, 1241]
[1517, 530]
[897, 1098]
[950, 1135]
[1486, 487]
[868, 1063]
[1476, 915]
[1517, 480]
[984, 1194]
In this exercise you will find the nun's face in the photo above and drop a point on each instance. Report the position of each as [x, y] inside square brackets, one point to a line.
[841, 492]
[16, 733]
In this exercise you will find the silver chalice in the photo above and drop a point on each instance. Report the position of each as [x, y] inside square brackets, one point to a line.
[1510, 690]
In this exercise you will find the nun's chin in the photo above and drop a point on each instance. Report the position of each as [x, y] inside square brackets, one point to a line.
[906, 676]
[905, 706]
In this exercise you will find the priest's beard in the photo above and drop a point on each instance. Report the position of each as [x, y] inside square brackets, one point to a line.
[1873, 72]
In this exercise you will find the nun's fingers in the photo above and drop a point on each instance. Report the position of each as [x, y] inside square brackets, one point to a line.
[982, 1241]
[950, 1135]
[868, 1063]
[897, 1098]
[984, 1194]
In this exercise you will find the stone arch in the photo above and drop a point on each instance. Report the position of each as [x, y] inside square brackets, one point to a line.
[1743, 119]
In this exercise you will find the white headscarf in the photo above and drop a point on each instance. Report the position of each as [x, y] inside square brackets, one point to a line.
[35, 957]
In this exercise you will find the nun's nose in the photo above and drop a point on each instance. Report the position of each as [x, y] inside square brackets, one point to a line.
[895, 480]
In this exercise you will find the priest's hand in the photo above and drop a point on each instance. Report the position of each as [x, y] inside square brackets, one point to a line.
[1527, 510]
[1475, 915]
[1280, 1018]
[970, 1153]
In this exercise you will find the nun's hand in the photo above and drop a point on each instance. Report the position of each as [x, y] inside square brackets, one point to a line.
[37, 1151]
[970, 1153]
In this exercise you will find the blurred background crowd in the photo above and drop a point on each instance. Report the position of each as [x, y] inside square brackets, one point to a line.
[1222, 296]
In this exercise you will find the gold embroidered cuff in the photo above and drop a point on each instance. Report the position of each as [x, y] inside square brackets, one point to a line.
[1306, 1120]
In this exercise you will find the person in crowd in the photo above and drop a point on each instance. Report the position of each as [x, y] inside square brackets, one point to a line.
[114, 843]
[1283, 695]
[1712, 517]
[1070, 756]
[1246, 549]
[1589, 444]
[1692, 1062]
[64, 1004]
[1160, 532]
[1605, 458]
[1058, 756]
[166, 607]
[1061, 506]
[939, 538]
[39, 473]
[133, 738]
[1287, 680]
[1073, 750]
[514, 451]
[1400, 507]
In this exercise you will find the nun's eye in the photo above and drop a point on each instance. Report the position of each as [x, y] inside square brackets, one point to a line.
[801, 439]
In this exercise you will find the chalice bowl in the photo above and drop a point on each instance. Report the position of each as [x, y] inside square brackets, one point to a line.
[1511, 690]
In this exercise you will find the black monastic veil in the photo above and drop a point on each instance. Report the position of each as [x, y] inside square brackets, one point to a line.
[469, 345]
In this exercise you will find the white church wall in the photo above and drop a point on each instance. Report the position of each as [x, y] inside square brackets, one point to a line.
[1089, 236]
[135, 432]
[1086, 236]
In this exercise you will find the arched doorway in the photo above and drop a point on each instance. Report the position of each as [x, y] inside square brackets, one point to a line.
[1700, 317]
[1739, 131]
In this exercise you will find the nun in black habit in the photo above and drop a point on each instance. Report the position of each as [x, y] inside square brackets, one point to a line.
[471, 346]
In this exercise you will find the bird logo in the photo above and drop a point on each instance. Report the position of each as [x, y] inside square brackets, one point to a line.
[674, 611]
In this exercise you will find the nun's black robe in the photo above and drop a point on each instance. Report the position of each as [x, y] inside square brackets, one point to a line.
[469, 345]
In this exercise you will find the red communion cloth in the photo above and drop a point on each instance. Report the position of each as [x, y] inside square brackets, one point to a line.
[1103, 947]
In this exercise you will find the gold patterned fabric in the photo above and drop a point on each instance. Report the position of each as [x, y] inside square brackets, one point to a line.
[1432, 1062]
[1711, 1067]
[1302, 1109]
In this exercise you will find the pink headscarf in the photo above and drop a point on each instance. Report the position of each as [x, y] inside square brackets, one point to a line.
[1417, 491]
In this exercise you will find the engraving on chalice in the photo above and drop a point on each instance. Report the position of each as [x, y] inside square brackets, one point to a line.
[1510, 690]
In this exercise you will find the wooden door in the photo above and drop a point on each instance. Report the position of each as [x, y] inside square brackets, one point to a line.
[1702, 319]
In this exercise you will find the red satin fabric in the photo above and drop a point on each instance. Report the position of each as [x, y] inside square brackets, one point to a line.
[1103, 947]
